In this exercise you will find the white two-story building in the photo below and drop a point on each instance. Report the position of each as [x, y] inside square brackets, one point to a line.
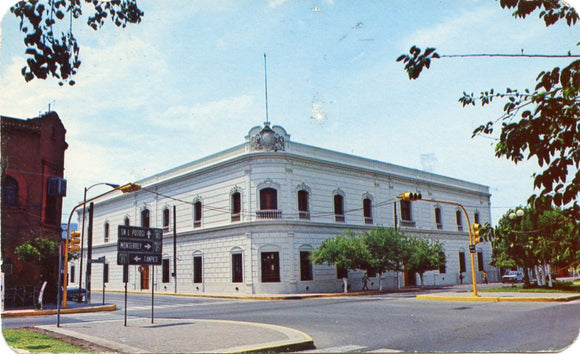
[246, 218]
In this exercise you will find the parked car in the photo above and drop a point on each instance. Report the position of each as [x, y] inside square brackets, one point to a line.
[74, 293]
[512, 276]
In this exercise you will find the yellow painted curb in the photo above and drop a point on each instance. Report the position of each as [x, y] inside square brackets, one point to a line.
[498, 299]
[62, 311]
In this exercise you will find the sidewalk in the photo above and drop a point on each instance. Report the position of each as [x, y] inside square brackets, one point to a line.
[187, 336]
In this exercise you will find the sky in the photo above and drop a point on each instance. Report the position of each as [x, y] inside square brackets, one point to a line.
[188, 81]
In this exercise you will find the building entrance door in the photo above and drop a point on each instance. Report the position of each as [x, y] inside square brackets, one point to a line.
[144, 277]
[410, 279]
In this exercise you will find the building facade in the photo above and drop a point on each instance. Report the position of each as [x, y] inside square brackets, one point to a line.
[246, 218]
[33, 186]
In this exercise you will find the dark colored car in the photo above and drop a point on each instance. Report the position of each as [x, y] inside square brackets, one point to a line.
[74, 293]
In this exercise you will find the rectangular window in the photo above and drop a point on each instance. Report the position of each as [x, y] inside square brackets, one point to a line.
[106, 272]
[165, 271]
[305, 266]
[462, 262]
[480, 261]
[406, 210]
[197, 269]
[270, 267]
[237, 268]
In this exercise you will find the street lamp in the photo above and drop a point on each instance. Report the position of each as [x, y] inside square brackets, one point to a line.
[127, 188]
[518, 213]
[112, 185]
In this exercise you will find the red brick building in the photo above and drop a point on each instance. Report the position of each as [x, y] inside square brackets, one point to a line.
[32, 189]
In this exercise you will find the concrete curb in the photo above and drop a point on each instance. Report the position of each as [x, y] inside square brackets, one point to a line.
[267, 297]
[497, 298]
[31, 312]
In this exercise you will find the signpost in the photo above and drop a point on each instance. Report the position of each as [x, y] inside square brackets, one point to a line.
[141, 246]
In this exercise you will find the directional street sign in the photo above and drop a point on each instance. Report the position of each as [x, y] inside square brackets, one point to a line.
[139, 245]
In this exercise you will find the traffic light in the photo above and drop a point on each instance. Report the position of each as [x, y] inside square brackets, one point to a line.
[476, 237]
[75, 242]
[130, 187]
[410, 196]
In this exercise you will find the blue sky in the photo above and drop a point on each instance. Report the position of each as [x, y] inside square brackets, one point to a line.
[189, 81]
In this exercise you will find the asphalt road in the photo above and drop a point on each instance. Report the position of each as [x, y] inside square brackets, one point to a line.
[367, 323]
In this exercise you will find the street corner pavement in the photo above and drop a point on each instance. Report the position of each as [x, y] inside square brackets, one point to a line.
[500, 296]
[187, 336]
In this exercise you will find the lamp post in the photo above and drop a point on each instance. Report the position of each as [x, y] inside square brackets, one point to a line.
[112, 185]
[127, 188]
[518, 215]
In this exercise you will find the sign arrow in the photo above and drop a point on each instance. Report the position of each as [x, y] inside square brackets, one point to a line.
[137, 258]
[147, 246]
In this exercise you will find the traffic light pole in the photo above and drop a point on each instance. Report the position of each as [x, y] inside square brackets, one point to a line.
[405, 196]
[127, 188]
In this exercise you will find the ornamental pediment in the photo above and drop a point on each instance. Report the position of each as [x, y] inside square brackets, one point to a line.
[268, 138]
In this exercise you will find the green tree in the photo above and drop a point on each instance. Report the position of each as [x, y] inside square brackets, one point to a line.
[423, 255]
[543, 123]
[346, 251]
[538, 238]
[387, 250]
[55, 52]
[43, 253]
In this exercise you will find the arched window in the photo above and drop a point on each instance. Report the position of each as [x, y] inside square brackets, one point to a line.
[338, 208]
[236, 206]
[303, 209]
[459, 218]
[106, 232]
[197, 208]
[127, 222]
[368, 210]
[145, 218]
[269, 204]
[10, 191]
[476, 217]
[166, 219]
[438, 220]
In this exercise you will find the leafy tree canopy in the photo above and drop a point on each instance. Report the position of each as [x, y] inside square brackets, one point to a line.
[39, 251]
[537, 237]
[543, 123]
[51, 46]
[346, 251]
[424, 255]
[387, 249]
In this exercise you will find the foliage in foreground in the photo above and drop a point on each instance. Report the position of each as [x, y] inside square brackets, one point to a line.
[542, 123]
[37, 342]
